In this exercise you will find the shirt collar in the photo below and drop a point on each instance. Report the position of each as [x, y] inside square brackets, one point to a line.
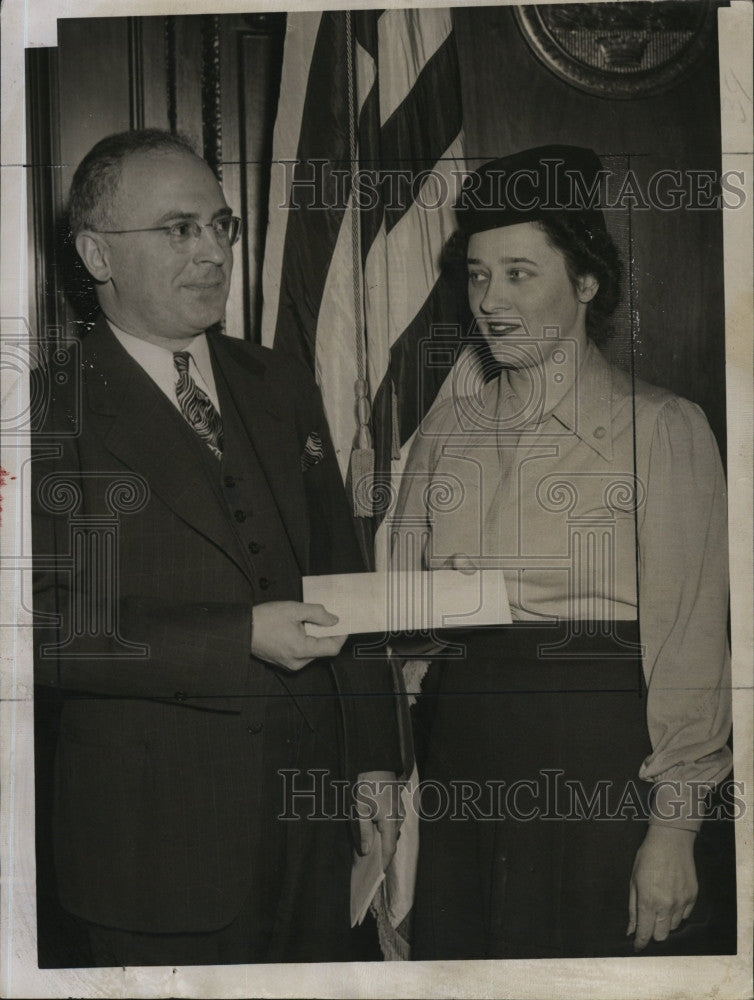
[586, 409]
[199, 351]
[154, 359]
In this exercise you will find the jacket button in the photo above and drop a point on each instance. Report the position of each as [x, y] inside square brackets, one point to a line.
[255, 728]
[255, 548]
[230, 481]
[264, 583]
[599, 432]
[240, 516]
[180, 695]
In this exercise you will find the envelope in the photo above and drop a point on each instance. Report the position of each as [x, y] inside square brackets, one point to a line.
[403, 601]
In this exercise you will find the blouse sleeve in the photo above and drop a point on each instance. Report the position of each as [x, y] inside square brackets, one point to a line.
[410, 524]
[683, 599]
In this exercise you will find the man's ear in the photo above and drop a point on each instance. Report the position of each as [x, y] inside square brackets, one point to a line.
[587, 287]
[94, 252]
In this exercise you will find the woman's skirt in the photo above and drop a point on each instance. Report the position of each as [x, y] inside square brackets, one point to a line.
[531, 740]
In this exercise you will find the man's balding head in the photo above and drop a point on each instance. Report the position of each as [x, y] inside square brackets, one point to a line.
[153, 229]
[95, 183]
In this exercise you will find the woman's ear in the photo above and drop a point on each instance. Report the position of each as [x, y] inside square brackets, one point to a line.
[587, 287]
[94, 252]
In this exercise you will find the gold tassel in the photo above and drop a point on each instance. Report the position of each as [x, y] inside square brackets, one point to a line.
[395, 423]
[362, 457]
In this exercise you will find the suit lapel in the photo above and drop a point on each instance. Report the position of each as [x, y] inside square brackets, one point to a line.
[148, 434]
[269, 423]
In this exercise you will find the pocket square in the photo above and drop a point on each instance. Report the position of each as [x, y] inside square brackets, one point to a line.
[313, 452]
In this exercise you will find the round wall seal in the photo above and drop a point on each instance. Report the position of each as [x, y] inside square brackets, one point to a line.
[616, 49]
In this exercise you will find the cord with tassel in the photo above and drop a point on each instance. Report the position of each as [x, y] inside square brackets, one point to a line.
[362, 456]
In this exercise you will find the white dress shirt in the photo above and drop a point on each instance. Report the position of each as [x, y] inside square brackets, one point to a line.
[158, 363]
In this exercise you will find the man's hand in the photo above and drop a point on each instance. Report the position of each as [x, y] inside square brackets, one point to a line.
[378, 795]
[663, 884]
[278, 634]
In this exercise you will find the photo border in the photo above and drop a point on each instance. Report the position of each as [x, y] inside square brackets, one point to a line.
[33, 23]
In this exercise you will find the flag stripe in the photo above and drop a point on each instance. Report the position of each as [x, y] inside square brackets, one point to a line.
[311, 231]
[420, 360]
[395, 204]
[377, 298]
[408, 39]
[370, 202]
[335, 346]
[414, 246]
[300, 38]
[366, 31]
[422, 127]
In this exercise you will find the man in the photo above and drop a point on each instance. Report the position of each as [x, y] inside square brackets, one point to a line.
[177, 638]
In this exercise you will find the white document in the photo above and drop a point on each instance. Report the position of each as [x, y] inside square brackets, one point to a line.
[408, 601]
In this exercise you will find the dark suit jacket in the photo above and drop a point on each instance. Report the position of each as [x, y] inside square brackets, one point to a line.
[156, 810]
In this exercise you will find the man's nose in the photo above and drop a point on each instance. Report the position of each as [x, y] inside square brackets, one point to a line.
[210, 247]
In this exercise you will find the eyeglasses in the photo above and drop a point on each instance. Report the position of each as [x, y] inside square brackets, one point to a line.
[184, 235]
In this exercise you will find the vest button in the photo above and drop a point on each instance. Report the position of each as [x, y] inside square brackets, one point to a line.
[230, 481]
[240, 516]
[255, 548]
[255, 728]
[264, 583]
[180, 695]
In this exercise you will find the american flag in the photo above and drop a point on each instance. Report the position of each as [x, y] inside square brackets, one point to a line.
[367, 157]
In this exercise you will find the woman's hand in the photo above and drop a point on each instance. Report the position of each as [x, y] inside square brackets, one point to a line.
[663, 884]
[461, 562]
[378, 794]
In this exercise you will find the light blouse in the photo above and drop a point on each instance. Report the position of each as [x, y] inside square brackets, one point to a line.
[610, 507]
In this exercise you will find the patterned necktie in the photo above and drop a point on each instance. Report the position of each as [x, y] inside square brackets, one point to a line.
[197, 407]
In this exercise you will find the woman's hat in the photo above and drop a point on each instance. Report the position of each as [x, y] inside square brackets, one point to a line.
[531, 185]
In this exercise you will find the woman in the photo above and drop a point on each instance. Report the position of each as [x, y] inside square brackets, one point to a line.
[602, 499]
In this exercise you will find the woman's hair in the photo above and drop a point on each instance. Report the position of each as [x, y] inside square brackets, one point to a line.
[586, 251]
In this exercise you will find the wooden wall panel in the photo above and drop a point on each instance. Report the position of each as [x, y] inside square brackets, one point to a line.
[47, 306]
[151, 80]
[187, 84]
[94, 84]
[250, 73]
[111, 76]
[681, 318]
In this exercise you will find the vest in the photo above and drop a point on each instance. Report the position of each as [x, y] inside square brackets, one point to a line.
[241, 483]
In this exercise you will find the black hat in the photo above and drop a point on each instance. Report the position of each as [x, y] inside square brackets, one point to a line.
[531, 185]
